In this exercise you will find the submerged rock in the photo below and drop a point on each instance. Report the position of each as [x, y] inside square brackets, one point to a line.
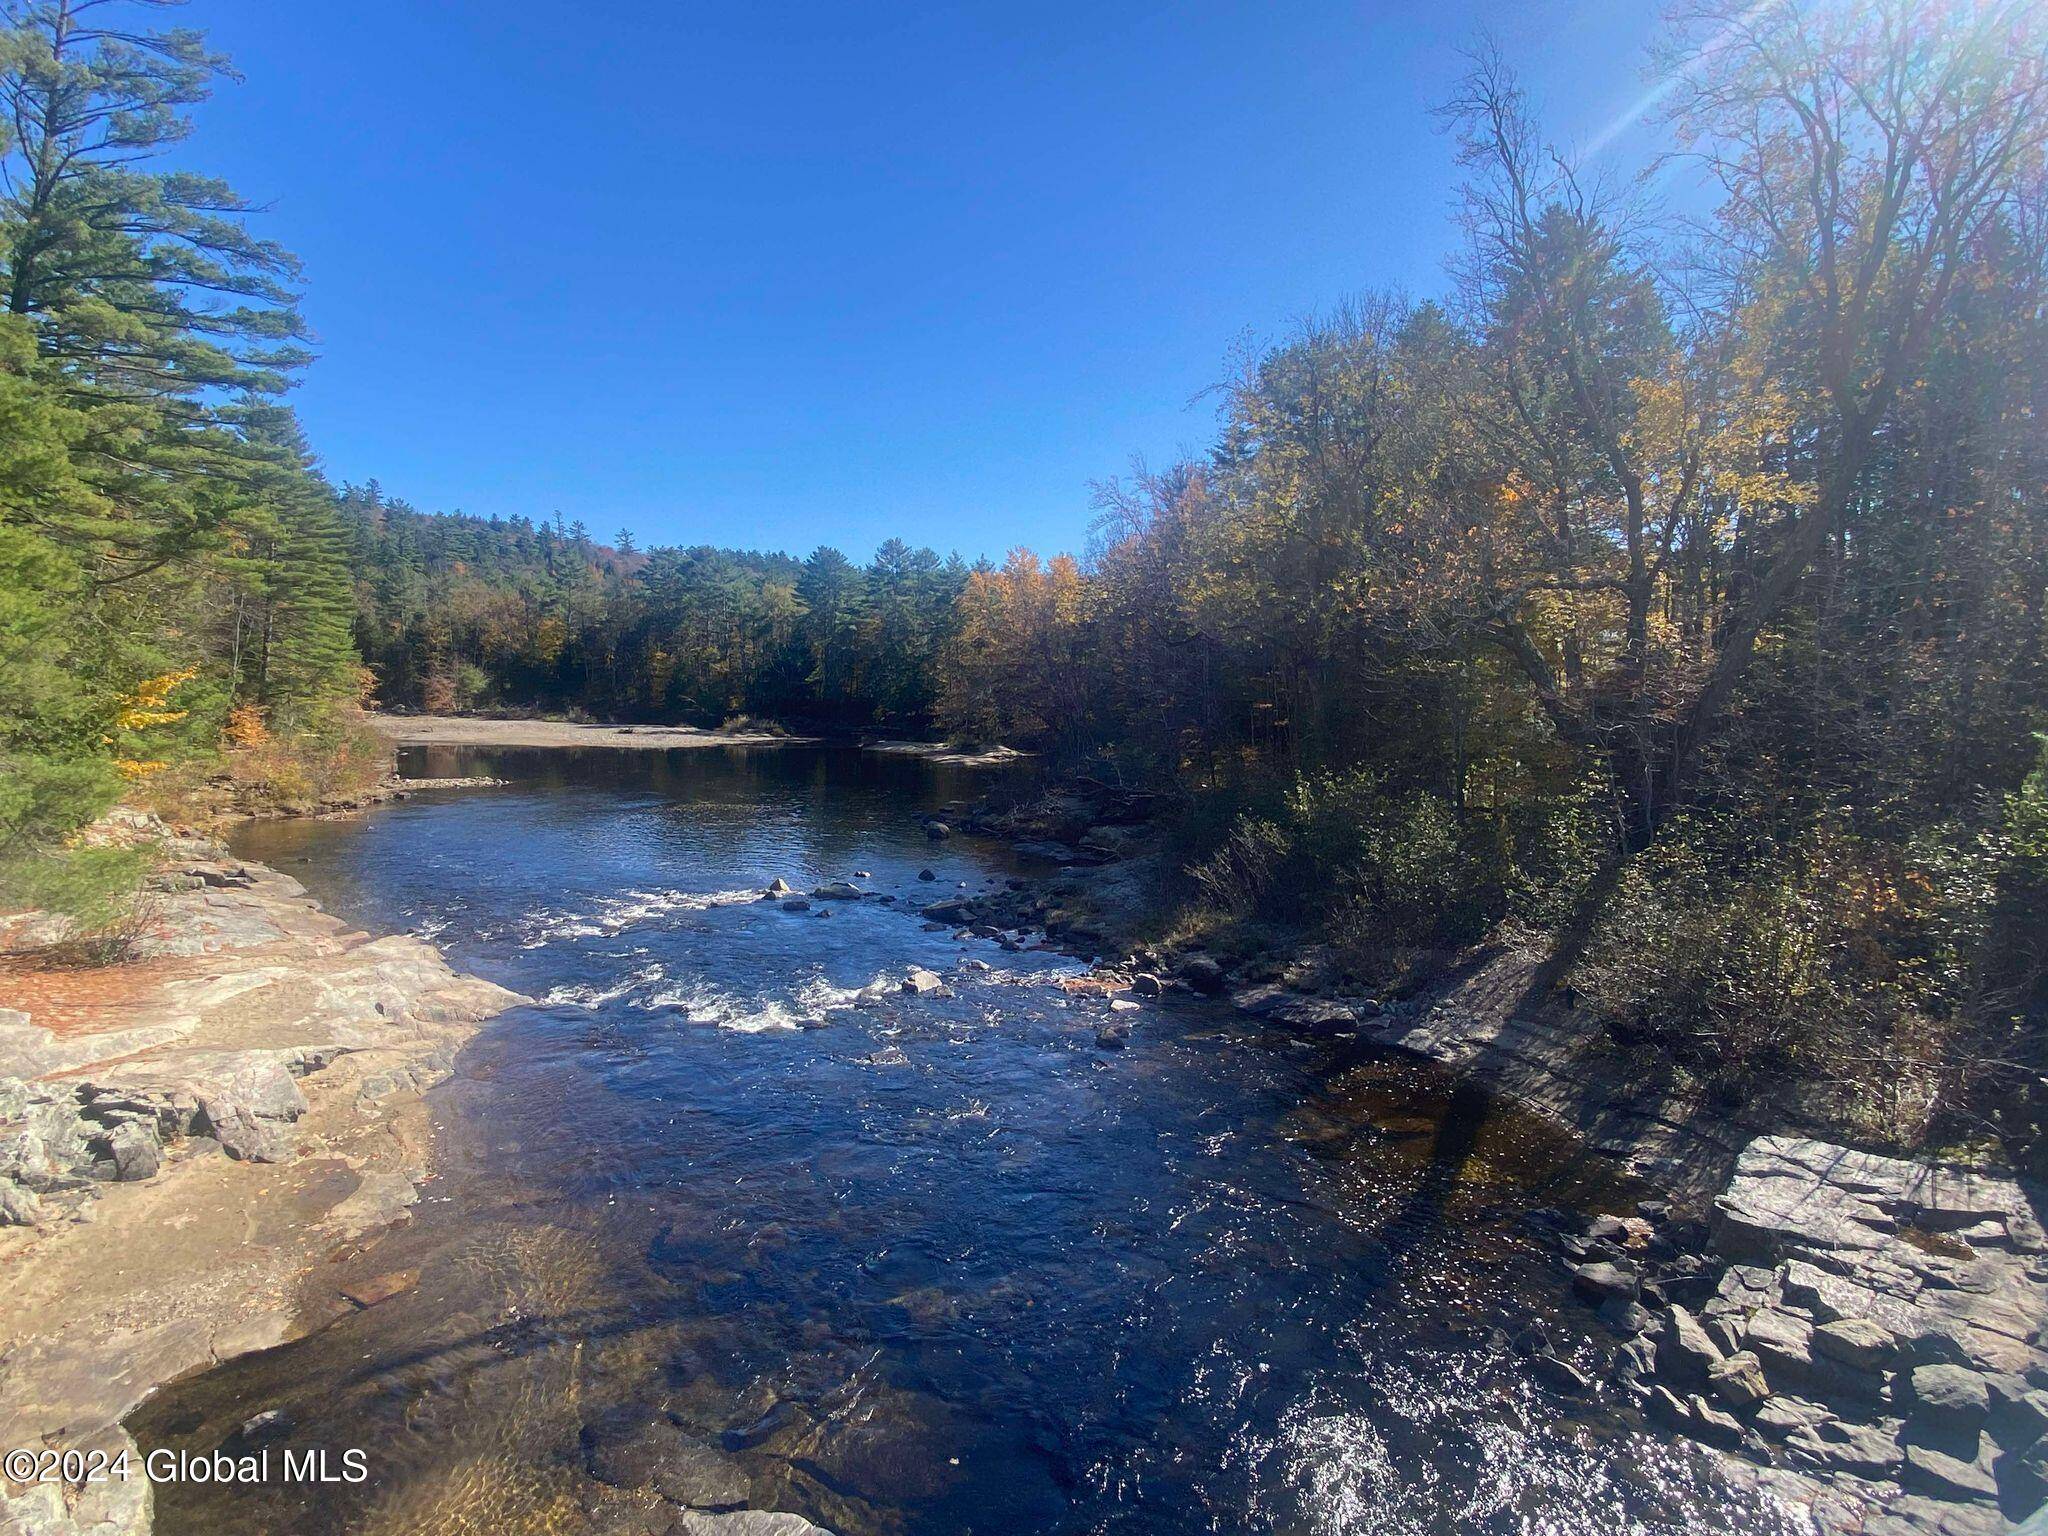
[1560, 1375]
[367, 1293]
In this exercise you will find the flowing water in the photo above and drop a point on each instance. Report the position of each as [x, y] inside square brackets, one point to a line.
[911, 1264]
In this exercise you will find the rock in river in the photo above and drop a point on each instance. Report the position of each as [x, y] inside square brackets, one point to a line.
[745, 1522]
[1600, 1281]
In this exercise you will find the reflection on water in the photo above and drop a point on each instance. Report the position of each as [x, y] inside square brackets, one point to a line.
[730, 1217]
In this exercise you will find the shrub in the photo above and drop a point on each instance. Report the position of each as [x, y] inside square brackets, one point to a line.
[1836, 959]
[94, 888]
[1403, 866]
[1238, 877]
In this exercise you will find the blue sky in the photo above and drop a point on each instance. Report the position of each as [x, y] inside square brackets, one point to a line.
[775, 275]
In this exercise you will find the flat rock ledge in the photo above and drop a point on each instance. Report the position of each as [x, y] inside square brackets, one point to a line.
[1870, 1330]
[189, 1139]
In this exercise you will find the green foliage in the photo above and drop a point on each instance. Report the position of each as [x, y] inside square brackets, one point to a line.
[462, 612]
[95, 887]
[168, 553]
[1337, 847]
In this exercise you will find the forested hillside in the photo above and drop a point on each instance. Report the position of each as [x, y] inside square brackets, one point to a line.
[173, 572]
[468, 613]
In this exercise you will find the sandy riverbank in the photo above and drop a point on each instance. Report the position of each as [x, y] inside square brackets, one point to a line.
[469, 731]
[195, 1143]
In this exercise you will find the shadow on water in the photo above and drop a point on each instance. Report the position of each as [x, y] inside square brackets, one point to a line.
[901, 1265]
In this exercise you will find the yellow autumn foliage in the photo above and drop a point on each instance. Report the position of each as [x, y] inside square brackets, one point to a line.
[144, 705]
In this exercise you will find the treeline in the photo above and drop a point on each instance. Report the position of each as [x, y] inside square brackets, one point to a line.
[174, 574]
[470, 613]
[1672, 591]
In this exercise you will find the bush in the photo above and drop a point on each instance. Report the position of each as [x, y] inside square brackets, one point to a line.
[1402, 866]
[1832, 958]
[749, 725]
[95, 889]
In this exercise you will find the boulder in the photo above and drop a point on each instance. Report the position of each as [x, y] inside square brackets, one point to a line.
[937, 831]
[837, 890]
[367, 1293]
[1560, 1375]
[1938, 1473]
[1915, 1514]
[780, 887]
[1684, 1351]
[1666, 1407]
[923, 982]
[18, 1207]
[1199, 973]
[1780, 1338]
[1948, 1399]
[1739, 1380]
[2019, 1415]
[241, 1133]
[797, 904]
[135, 1152]
[926, 874]
[1712, 1424]
[1761, 1216]
[2023, 1475]
[1782, 1415]
[1611, 1229]
[1868, 1450]
[1113, 1037]
[1856, 1342]
[1626, 1317]
[698, 1476]
[637, 1449]
[1146, 985]
[1599, 1281]
[744, 1522]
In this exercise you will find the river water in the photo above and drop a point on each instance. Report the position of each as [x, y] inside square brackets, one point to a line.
[908, 1264]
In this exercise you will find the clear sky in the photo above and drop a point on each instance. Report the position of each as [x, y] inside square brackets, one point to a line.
[774, 275]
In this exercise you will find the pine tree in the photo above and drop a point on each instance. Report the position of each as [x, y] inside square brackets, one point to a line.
[308, 655]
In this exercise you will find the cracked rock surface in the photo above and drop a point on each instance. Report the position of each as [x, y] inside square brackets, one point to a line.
[187, 1138]
[1873, 1327]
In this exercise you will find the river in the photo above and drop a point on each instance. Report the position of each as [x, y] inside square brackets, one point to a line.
[905, 1264]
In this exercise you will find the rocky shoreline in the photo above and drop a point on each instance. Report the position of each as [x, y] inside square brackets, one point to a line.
[1874, 1327]
[193, 1144]
[1867, 1334]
